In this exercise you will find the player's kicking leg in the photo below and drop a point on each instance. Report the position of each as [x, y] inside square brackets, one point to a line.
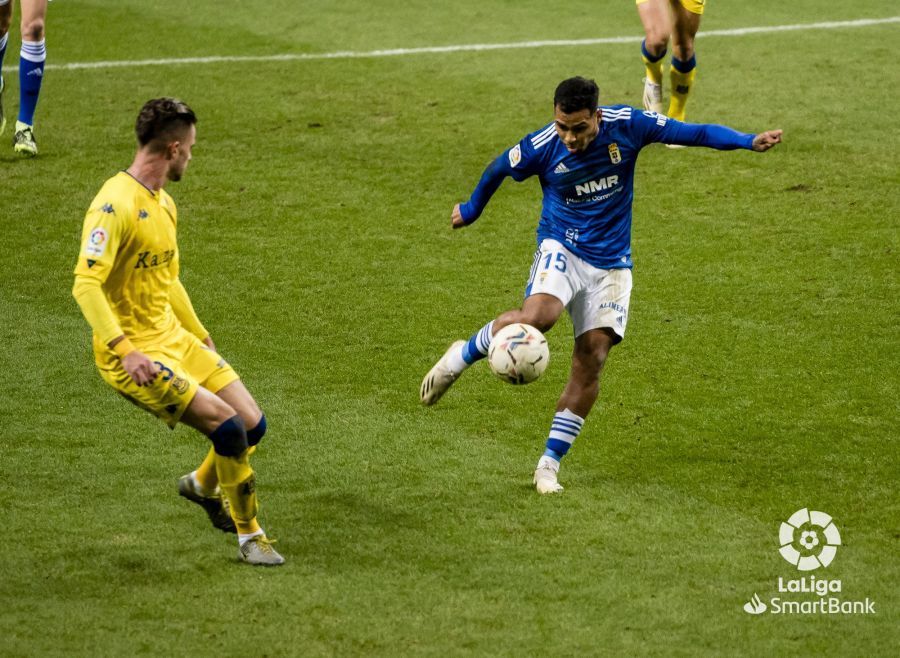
[212, 415]
[539, 310]
[450, 366]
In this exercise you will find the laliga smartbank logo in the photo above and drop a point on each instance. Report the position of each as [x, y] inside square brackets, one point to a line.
[808, 541]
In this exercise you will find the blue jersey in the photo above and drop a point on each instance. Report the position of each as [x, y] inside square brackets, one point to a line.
[588, 195]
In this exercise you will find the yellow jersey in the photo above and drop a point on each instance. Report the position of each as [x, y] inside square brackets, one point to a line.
[129, 248]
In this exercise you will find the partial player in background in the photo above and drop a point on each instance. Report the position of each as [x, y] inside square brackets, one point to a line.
[585, 160]
[678, 20]
[32, 57]
[149, 344]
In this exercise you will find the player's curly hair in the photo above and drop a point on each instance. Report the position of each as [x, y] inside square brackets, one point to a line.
[161, 120]
[574, 94]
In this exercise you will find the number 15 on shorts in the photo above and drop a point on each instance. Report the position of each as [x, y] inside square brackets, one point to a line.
[557, 260]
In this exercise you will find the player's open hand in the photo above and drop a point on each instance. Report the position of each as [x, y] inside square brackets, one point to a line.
[765, 141]
[456, 219]
[208, 341]
[141, 369]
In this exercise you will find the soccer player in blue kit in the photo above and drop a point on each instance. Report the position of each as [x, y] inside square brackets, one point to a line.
[585, 161]
[32, 59]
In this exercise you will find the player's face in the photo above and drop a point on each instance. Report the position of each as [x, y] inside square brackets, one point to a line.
[180, 153]
[578, 129]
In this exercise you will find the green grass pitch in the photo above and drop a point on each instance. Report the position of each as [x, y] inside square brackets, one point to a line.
[759, 375]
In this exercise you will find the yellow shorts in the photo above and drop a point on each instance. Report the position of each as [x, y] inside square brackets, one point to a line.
[184, 364]
[693, 6]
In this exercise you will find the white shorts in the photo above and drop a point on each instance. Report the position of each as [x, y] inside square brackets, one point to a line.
[594, 298]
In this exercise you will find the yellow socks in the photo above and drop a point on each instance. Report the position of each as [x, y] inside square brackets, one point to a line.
[206, 473]
[238, 483]
[681, 79]
[653, 64]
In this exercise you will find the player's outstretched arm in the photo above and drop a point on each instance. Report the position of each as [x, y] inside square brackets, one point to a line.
[766, 140]
[711, 135]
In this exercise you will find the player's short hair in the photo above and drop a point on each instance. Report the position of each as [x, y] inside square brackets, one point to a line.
[574, 94]
[161, 120]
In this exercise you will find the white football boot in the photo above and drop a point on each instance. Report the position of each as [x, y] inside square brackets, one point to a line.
[545, 476]
[258, 550]
[439, 378]
[653, 97]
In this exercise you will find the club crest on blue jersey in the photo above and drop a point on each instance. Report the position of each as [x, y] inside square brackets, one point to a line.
[515, 155]
[614, 155]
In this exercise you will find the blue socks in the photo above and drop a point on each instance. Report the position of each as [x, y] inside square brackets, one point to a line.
[563, 431]
[477, 347]
[31, 74]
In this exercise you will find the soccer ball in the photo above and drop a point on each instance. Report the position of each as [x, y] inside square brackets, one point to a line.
[518, 354]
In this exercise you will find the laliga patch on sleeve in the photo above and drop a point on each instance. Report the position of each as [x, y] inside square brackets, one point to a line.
[515, 155]
[96, 243]
[660, 118]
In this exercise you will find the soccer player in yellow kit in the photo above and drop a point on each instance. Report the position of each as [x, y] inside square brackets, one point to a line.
[662, 20]
[149, 344]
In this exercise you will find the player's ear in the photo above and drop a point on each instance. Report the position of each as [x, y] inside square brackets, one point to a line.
[172, 150]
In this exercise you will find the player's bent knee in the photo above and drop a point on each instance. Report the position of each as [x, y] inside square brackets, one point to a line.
[33, 30]
[591, 362]
[255, 434]
[543, 322]
[591, 355]
[230, 438]
[656, 41]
